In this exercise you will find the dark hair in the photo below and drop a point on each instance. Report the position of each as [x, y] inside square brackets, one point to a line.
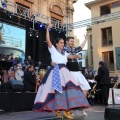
[58, 40]
[29, 66]
[101, 63]
[111, 77]
[68, 38]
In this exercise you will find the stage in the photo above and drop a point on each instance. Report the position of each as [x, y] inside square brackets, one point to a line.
[94, 113]
[17, 101]
[18, 106]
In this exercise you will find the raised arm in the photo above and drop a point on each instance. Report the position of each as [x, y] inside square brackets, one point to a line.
[48, 36]
[84, 42]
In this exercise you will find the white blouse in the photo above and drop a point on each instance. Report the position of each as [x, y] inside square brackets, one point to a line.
[57, 57]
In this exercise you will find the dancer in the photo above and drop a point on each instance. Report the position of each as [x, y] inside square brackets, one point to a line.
[69, 48]
[59, 90]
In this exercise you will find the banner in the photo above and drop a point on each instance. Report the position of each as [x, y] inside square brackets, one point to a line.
[110, 99]
[116, 96]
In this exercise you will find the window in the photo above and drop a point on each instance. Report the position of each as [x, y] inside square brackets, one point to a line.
[56, 22]
[108, 58]
[115, 4]
[23, 10]
[55, 19]
[107, 36]
[105, 9]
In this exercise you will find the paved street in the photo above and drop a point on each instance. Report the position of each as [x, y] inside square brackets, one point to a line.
[94, 113]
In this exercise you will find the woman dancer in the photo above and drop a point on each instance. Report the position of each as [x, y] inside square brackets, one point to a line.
[59, 91]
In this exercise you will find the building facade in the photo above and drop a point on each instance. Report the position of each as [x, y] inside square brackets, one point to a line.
[90, 47]
[105, 35]
[60, 10]
[76, 41]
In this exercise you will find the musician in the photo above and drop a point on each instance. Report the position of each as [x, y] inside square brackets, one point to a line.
[9, 58]
[1, 76]
[103, 80]
[12, 56]
[11, 74]
[112, 82]
[29, 82]
[86, 74]
[0, 57]
[29, 61]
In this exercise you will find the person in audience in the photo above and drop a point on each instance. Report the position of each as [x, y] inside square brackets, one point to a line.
[103, 80]
[29, 61]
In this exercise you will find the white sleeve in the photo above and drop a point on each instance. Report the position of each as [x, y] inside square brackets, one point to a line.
[66, 54]
[52, 49]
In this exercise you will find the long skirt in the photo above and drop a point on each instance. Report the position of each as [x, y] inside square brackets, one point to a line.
[81, 80]
[48, 99]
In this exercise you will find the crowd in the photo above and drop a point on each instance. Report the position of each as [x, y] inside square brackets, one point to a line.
[19, 71]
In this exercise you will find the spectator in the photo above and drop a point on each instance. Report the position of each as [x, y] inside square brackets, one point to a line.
[103, 81]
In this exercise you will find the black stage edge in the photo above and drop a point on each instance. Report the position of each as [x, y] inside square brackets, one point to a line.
[112, 113]
[51, 118]
[17, 101]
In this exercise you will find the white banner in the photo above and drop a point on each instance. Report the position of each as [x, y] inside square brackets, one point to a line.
[116, 96]
[110, 99]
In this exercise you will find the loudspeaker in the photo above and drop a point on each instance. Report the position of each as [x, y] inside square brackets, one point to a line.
[112, 113]
[16, 84]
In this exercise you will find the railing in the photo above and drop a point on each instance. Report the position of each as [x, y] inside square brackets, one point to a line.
[27, 14]
[11, 41]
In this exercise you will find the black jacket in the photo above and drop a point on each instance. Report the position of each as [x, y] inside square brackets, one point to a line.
[29, 82]
[103, 76]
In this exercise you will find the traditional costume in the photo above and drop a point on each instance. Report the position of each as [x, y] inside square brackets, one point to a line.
[74, 68]
[59, 89]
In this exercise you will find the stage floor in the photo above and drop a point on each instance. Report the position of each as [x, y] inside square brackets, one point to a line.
[94, 113]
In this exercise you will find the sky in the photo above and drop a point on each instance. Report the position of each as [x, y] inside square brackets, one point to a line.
[81, 13]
